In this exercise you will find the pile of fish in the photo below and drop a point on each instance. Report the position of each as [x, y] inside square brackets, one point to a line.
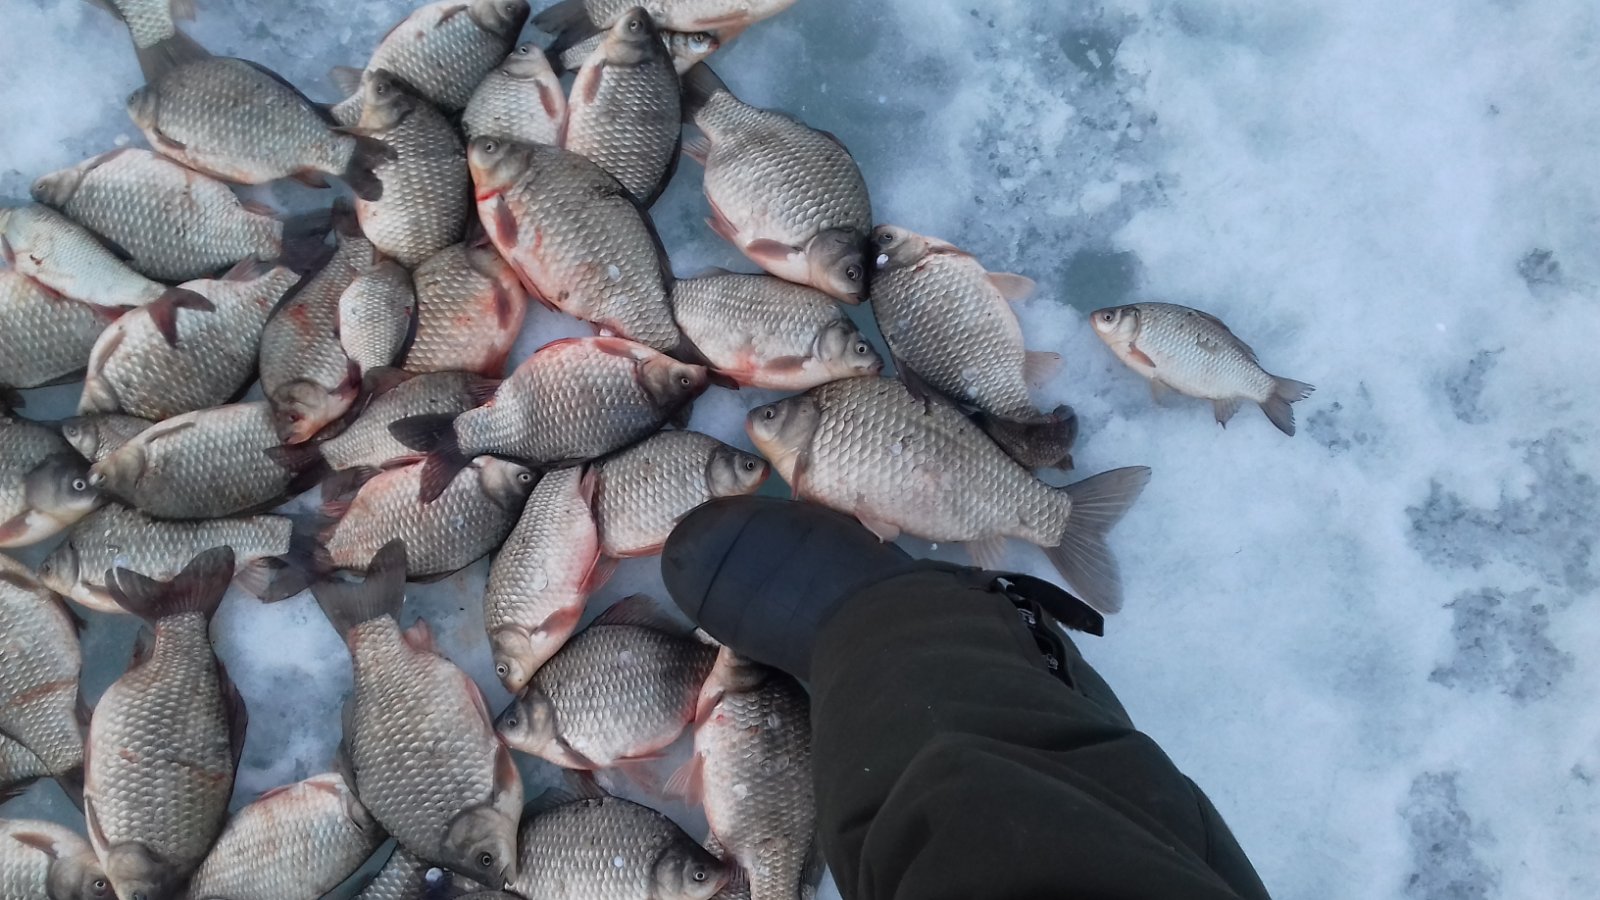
[233, 358]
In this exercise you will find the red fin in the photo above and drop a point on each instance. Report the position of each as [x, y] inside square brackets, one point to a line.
[164, 311]
[562, 621]
[886, 531]
[587, 85]
[310, 178]
[13, 529]
[482, 390]
[505, 310]
[504, 227]
[1140, 356]
[724, 229]
[640, 771]
[688, 782]
[769, 253]
[697, 148]
[42, 842]
[598, 574]
[1012, 287]
[550, 98]
[420, 637]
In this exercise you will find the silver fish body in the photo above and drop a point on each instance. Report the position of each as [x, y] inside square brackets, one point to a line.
[405, 877]
[60, 254]
[44, 486]
[152, 21]
[367, 443]
[43, 859]
[521, 100]
[470, 310]
[375, 315]
[445, 48]
[721, 16]
[685, 48]
[97, 436]
[625, 112]
[175, 223]
[644, 491]
[45, 337]
[40, 669]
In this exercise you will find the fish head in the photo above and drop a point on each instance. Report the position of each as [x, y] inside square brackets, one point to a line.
[783, 430]
[1116, 325]
[503, 18]
[300, 409]
[481, 843]
[517, 655]
[684, 871]
[688, 48]
[734, 473]
[120, 469]
[526, 62]
[671, 383]
[62, 488]
[143, 105]
[845, 352]
[835, 260]
[505, 482]
[497, 163]
[528, 723]
[633, 39]
[895, 248]
[386, 99]
[137, 874]
[78, 877]
[57, 188]
[59, 571]
[83, 433]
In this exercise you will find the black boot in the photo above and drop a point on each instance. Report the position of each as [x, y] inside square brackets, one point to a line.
[763, 575]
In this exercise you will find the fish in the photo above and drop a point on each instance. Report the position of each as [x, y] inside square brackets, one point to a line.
[156, 784]
[791, 198]
[243, 123]
[417, 736]
[587, 844]
[376, 313]
[174, 223]
[299, 840]
[643, 491]
[471, 518]
[304, 369]
[405, 877]
[573, 20]
[571, 401]
[367, 443]
[150, 21]
[751, 769]
[19, 768]
[868, 447]
[43, 859]
[116, 536]
[765, 332]
[209, 464]
[576, 238]
[96, 437]
[67, 258]
[44, 486]
[520, 100]
[39, 700]
[426, 187]
[1193, 353]
[543, 576]
[470, 311]
[45, 337]
[617, 694]
[442, 50]
[950, 328]
[685, 48]
[176, 357]
[625, 112]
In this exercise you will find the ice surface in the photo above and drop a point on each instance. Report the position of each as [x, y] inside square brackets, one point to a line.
[1372, 643]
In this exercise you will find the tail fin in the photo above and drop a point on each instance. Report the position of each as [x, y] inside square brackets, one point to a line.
[1082, 557]
[382, 593]
[156, 60]
[1277, 407]
[569, 21]
[10, 400]
[304, 247]
[370, 153]
[435, 436]
[1043, 442]
[198, 588]
[700, 84]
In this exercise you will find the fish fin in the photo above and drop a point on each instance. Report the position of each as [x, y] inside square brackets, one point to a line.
[639, 771]
[383, 379]
[1044, 442]
[164, 310]
[1285, 392]
[598, 574]
[586, 87]
[688, 782]
[481, 389]
[554, 104]
[370, 153]
[14, 529]
[1039, 366]
[382, 593]
[989, 552]
[258, 208]
[265, 579]
[44, 843]
[347, 483]
[574, 786]
[1082, 556]
[335, 510]
[504, 227]
[11, 399]
[1013, 287]
[295, 457]
[1224, 410]
[1140, 357]
[165, 429]
[569, 21]
[419, 636]
[700, 84]
[237, 714]
[640, 611]
[915, 386]
[182, 10]
[162, 57]
[1158, 391]
[697, 148]
[886, 531]
[769, 253]
[505, 312]
[198, 588]
[435, 436]
[562, 621]
[312, 179]
[722, 227]
[345, 79]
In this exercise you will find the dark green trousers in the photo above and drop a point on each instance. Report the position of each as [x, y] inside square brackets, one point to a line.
[950, 763]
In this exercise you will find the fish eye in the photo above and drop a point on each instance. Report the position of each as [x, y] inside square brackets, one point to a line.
[502, 670]
[684, 380]
[769, 414]
[885, 239]
[511, 722]
[699, 875]
[490, 146]
[1108, 316]
[99, 886]
[862, 348]
[486, 860]
[634, 26]
[523, 50]
[524, 477]
[749, 465]
[853, 273]
[78, 484]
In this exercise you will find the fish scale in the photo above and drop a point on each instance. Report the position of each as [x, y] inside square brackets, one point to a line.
[151, 21]
[645, 490]
[686, 15]
[98, 436]
[470, 310]
[1185, 347]
[368, 443]
[160, 763]
[445, 48]
[521, 100]
[405, 877]
[626, 112]
[24, 446]
[686, 49]
[176, 223]
[375, 314]
[30, 871]
[39, 681]
[300, 346]
[18, 765]
[426, 186]
[65, 257]
[134, 370]
[607, 848]
[44, 336]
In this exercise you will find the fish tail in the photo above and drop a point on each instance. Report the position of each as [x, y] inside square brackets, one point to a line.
[700, 84]
[435, 436]
[381, 593]
[1284, 392]
[303, 241]
[1082, 556]
[10, 400]
[369, 154]
[162, 57]
[198, 588]
[1037, 442]
[569, 21]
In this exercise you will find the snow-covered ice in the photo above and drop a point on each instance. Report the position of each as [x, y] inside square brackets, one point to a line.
[1371, 643]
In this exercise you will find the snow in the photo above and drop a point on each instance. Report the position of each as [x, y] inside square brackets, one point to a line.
[1368, 642]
